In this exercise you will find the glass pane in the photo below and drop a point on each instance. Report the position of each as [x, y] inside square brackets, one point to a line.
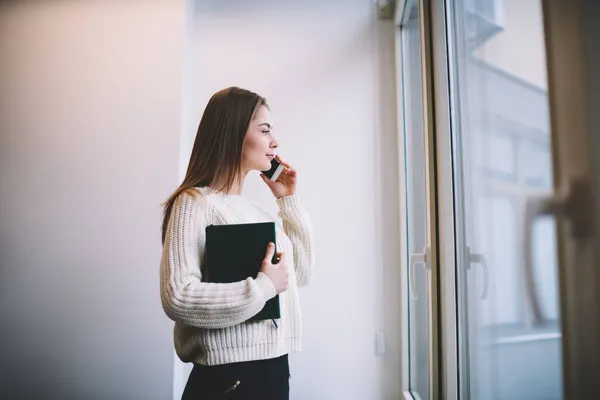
[416, 197]
[502, 156]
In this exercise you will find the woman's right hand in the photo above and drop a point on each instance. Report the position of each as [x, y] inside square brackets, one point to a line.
[277, 273]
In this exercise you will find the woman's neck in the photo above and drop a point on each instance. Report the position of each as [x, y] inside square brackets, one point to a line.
[236, 187]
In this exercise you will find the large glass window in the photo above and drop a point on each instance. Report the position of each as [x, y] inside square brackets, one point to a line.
[510, 339]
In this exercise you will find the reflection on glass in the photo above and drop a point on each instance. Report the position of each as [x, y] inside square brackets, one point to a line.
[502, 156]
[415, 195]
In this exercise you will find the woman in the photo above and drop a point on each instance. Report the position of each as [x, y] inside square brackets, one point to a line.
[234, 357]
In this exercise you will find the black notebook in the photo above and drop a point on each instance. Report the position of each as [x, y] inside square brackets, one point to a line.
[235, 252]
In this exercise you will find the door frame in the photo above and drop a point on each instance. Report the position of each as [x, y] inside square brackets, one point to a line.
[404, 289]
[404, 250]
[433, 336]
[569, 30]
[448, 273]
[430, 156]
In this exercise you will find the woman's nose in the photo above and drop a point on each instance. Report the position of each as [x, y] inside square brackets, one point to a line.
[274, 143]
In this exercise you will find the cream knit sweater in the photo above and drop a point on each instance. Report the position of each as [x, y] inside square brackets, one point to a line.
[211, 319]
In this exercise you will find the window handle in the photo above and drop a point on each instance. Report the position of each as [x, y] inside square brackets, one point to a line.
[574, 205]
[475, 258]
[414, 260]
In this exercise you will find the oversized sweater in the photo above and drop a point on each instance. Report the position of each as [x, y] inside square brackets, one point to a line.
[212, 323]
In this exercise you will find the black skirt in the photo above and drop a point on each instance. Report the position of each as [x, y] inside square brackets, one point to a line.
[262, 379]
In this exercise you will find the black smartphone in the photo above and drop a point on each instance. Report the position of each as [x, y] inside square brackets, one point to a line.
[275, 171]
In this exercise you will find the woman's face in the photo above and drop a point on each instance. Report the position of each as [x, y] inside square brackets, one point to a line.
[259, 144]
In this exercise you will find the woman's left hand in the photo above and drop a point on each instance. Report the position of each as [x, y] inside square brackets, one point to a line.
[285, 185]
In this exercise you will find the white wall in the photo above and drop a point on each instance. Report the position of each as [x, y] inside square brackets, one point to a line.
[90, 108]
[326, 68]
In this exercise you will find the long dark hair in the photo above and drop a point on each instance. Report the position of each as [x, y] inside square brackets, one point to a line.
[217, 152]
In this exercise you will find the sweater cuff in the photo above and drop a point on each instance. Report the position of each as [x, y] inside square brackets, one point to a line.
[266, 286]
[288, 202]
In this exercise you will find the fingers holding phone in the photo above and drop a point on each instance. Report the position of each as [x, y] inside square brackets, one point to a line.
[281, 178]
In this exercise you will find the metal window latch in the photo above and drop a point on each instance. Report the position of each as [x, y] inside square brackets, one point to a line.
[414, 260]
[573, 205]
[474, 258]
[423, 259]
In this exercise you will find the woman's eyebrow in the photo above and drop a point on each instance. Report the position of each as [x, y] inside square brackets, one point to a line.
[268, 125]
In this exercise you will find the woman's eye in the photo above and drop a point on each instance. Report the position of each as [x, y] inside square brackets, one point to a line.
[267, 132]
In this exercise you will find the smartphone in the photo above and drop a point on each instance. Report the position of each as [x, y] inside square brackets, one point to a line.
[275, 171]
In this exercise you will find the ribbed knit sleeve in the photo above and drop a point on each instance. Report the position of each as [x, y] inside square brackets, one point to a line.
[185, 298]
[298, 228]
